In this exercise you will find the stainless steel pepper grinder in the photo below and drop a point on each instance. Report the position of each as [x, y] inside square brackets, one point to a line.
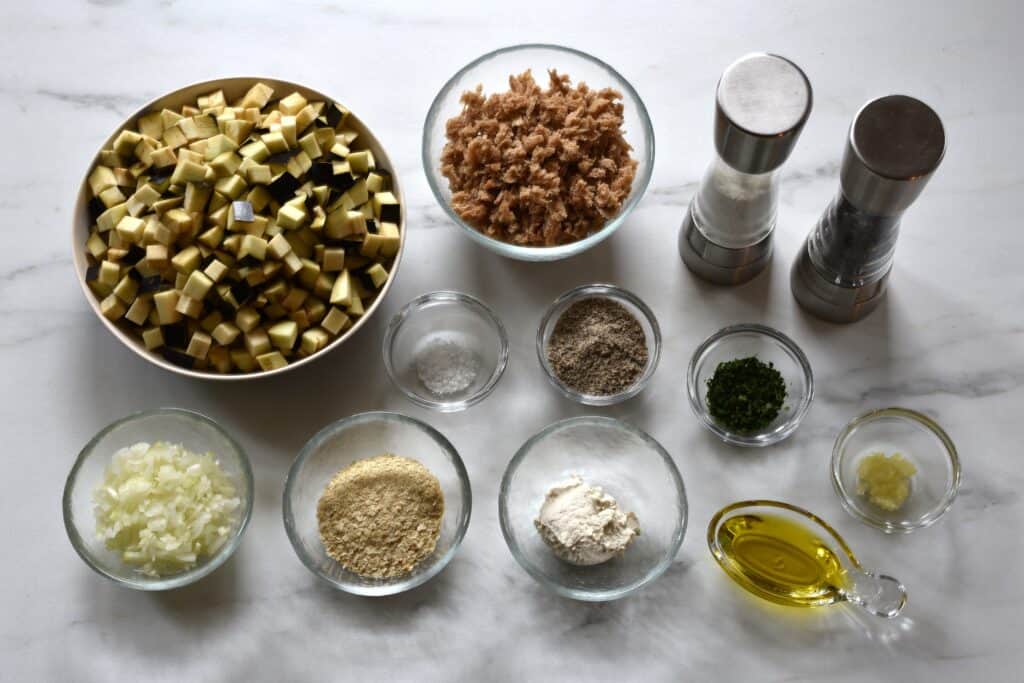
[761, 104]
[894, 145]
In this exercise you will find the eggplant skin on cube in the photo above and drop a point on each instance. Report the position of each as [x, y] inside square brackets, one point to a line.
[177, 357]
[283, 188]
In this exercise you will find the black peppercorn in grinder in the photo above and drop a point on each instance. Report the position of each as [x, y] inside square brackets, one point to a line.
[895, 144]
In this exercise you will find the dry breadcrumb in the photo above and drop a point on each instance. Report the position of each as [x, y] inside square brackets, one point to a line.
[538, 167]
[380, 517]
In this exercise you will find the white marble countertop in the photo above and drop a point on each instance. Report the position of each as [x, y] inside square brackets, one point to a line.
[948, 341]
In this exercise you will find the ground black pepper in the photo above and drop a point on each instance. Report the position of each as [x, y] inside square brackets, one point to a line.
[745, 394]
[597, 347]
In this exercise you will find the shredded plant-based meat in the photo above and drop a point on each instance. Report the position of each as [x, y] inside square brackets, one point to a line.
[538, 167]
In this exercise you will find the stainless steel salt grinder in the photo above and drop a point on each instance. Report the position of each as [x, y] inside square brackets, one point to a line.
[761, 104]
[894, 145]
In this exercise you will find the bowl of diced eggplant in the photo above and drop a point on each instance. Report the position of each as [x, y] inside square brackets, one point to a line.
[238, 228]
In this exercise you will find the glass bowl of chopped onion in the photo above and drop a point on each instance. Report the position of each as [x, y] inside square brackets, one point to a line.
[895, 469]
[776, 356]
[357, 440]
[492, 71]
[625, 464]
[158, 499]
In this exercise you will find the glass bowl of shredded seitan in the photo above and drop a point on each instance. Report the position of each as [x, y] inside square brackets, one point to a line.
[538, 152]
[377, 503]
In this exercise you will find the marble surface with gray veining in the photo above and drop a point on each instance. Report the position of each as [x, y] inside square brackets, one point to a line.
[949, 340]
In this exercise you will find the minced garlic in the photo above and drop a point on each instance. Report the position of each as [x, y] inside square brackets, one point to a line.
[885, 480]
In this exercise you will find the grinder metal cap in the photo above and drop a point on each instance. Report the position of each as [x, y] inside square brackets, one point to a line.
[895, 144]
[761, 105]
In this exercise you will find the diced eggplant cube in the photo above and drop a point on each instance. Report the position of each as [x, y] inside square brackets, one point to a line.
[341, 292]
[292, 262]
[189, 307]
[216, 270]
[124, 143]
[178, 220]
[342, 181]
[378, 275]
[112, 308]
[186, 260]
[272, 360]
[361, 162]
[283, 334]
[313, 340]
[226, 333]
[283, 187]
[253, 246]
[291, 217]
[109, 273]
[130, 229]
[166, 303]
[275, 142]
[257, 151]
[257, 342]
[333, 260]
[197, 286]
[292, 104]
[138, 312]
[156, 255]
[96, 246]
[279, 247]
[111, 217]
[322, 173]
[152, 338]
[126, 289]
[335, 321]
[247, 319]
[101, 178]
[294, 299]
[199, 345]
[231, 187]
[386, 207]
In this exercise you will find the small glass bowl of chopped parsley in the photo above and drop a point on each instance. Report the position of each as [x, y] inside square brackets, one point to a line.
[750, 385]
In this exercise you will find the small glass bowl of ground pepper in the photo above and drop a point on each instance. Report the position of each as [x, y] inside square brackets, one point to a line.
[750, 385]
[599, 344]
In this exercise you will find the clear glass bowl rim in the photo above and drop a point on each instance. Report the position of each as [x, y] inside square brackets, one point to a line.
[413, 307]
[611, 292]
[563, 250]
[735, 438]
[327, 432]
[183, 578]
[948, 447]
[592, 596]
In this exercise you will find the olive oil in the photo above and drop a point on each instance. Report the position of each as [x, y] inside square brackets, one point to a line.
[781, 560]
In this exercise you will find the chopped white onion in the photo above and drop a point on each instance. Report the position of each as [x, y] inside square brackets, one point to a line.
[163, 507]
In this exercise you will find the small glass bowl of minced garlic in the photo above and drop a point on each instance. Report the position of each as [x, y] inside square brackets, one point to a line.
[895, 469]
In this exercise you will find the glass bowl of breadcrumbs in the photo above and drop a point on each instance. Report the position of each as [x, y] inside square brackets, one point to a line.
[538, 152]
[365, 480]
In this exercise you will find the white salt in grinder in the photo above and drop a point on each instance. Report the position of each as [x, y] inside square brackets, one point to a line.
[761, 104]
[894, 146]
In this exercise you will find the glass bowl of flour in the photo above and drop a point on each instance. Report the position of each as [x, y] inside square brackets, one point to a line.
[593, 508]
[445, 350]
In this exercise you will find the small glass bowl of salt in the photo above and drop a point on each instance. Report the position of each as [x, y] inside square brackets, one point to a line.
[445, 350]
